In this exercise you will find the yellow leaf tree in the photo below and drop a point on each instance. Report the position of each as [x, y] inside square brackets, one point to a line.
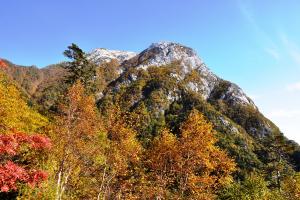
[189, 166]
[78, 151]
[123, 156]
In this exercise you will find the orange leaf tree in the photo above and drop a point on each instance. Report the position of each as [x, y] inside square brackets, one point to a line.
[190, 165]
[123, 156]
[77, 151]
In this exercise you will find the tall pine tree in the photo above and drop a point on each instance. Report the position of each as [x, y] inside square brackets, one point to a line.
[80, 68]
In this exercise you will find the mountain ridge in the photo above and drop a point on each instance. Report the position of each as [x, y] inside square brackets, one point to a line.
[167, 52]
[167, 80]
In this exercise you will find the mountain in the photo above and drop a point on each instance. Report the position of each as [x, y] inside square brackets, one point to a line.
[167, 80]
[164, 53]
[160, 86]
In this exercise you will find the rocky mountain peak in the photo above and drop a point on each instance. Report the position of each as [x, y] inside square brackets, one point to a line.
[102, 55]
[172, 49]
[163, 53]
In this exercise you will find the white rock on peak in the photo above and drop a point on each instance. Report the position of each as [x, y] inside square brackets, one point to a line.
[167, 52]
[163, 53]
[102, 55]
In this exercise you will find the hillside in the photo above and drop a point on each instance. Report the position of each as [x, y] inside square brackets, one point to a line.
[167, 80]
[159, 88]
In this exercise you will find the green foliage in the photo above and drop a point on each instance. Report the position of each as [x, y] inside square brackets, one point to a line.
[252, 188]
[267, 138]
[80, 68]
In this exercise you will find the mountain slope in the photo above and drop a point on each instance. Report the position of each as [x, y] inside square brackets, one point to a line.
[165, 81]
[159, 87]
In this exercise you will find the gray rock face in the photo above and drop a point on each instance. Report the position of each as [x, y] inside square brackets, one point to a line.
[164, 53]
[236, 95]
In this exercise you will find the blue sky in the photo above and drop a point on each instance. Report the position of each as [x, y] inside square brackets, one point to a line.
[253, 43]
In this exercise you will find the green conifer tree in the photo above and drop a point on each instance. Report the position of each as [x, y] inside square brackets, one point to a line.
[80, 68]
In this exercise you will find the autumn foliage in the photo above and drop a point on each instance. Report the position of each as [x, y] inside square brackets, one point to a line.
[14, 110]
[133, 142]
[13, 170]
[3, 65]
[89, 147]
[77, 147]
[123, 157]
[190, 165]
[100, 156]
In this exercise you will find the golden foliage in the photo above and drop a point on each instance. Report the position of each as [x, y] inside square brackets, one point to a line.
[123, 156]
[291, 187]
[190, 166]
[14, 111]
[76, 138]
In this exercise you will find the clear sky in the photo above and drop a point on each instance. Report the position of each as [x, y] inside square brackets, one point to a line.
[253, 43]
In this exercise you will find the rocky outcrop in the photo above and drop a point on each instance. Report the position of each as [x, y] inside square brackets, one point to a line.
[102, 55]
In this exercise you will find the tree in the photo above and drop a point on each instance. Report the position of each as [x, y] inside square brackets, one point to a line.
[123, 157]
[252, 188]
[161, 161]
[277, 167]
[16, 164]
[190, 166]
[95, 156]
[80, 68]
[78, 153]
[107, 72]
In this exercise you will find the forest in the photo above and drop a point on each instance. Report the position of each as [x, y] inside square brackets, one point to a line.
[93, 135]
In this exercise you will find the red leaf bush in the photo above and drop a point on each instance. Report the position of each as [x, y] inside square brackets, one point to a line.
[12, 173]
[3, 65]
